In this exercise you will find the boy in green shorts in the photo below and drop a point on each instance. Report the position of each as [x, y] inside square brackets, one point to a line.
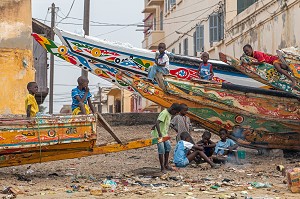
[161, 130]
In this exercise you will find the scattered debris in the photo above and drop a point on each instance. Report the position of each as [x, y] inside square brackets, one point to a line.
[53, 174]
[96, 192]
[260, 185]
[293, 177]
[22, 178]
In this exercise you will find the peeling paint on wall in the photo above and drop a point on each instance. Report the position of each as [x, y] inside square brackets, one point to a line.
[15, 52]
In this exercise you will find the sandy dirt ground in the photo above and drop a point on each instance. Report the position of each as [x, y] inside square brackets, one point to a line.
[138, 176]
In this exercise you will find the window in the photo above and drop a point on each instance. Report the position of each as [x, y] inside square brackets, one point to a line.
[244, 4]
[172, 3]
[167, 5]
[185, 46]
[161, 20]
[179, 49]
[195, 48]
[200, 38]
[216, 27]
[154, 23]
[173, 50]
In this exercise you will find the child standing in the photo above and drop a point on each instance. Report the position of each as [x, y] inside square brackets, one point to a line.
[205, 70]
[270, 59]
[161, 130]
[161, 63]
[225, 147]
[31, 105]
[207, 144]
[80, 97]
[182, 157]
[181, 123]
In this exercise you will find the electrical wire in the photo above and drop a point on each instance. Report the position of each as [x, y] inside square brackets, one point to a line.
[187, 23]
[67, 13]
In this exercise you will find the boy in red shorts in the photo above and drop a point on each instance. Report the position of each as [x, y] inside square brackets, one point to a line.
[270, 59]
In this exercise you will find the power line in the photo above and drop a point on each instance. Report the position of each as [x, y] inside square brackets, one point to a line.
[67, 13]
[103, 23]
[111, 31]
[189, 13]
[187, 23]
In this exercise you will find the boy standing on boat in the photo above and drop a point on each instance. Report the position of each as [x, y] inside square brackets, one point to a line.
[205, 70]
[270, 59]
[161, 130]
[80, 97]
[31, 105]
[161, 63]
[181, 122]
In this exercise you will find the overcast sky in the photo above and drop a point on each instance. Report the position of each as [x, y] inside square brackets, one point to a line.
[104, 11]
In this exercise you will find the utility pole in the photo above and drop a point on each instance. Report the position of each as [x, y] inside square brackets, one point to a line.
[86, 26]
[100, 99]
[52, 60]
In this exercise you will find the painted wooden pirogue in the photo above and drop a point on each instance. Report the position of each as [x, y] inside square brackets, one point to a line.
[27, 141]
[215, 115]
[100, 52]
[247, 130]
[264, 73]
[284, 106]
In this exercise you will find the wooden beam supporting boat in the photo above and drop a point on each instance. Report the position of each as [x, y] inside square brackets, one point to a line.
[60, 152]
[107, 127]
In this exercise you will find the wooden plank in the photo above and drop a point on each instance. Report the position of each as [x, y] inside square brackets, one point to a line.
[45, 156]
[107, 127]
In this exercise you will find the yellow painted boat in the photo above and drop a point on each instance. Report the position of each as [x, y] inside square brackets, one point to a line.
[27, 141]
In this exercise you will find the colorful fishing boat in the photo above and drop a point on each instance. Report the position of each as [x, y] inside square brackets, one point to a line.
[249, 125]
[284, 106]
[244, 133]
[27, 141]
[138, 61]
[265, 73]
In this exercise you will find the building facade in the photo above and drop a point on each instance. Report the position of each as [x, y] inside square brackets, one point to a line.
[189, 27]
[15, 55]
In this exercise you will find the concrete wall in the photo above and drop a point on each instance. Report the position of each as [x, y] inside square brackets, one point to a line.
[266, 25]
[129, 119]
[15, 54]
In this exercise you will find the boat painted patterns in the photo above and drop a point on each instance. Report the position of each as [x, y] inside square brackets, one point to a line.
[291, 57]
[265, 73]
[214, 119]
[42, 139]
[280, 108]
[21, 135]
[101, 70]
[138, 61]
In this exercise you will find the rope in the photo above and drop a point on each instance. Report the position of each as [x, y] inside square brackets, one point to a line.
[39, 137]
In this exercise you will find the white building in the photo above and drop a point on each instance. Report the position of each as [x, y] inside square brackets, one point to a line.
[189, 27]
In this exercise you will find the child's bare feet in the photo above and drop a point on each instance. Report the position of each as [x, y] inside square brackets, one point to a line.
[168, 167]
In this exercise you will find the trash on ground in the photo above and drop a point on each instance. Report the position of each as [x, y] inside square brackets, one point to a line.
[260, 185]
[96, 192]
[293, 178]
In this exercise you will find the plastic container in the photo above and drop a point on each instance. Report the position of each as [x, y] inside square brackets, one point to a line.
[241, 154]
